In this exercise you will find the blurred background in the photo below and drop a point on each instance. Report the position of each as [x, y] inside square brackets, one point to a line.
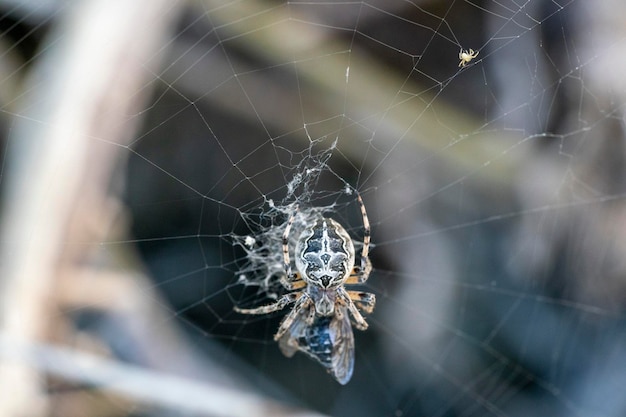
[140, 140]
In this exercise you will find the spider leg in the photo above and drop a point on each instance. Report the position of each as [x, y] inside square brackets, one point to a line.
[363, 300]
[286, 261]
[365, 267]
[291, 281]
[358, 275]
[296, 284]
[344, 298]
[302, 302]
[278, 305]
[310, 318]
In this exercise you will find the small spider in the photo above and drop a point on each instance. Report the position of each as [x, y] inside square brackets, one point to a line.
[319, 323]
[467, 56]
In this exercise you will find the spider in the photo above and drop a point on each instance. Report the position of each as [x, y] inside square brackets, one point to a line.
[318, 324]
[467, 56]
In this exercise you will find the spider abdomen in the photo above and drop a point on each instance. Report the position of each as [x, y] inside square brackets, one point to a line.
[325, 253]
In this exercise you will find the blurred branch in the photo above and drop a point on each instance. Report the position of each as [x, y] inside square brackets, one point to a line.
[154, 388]
[72, 122]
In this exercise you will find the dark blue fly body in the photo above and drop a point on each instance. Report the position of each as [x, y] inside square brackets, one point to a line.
[328, 340]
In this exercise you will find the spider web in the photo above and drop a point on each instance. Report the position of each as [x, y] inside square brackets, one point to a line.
[495, 194]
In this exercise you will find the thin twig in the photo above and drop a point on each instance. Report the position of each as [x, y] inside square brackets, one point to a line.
[154, 388]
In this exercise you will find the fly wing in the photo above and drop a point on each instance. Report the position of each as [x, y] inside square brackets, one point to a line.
[328, 340]
[290, 342]
[343, 349]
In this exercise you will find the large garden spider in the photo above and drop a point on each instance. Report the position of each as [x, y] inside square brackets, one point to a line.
[325, 262]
